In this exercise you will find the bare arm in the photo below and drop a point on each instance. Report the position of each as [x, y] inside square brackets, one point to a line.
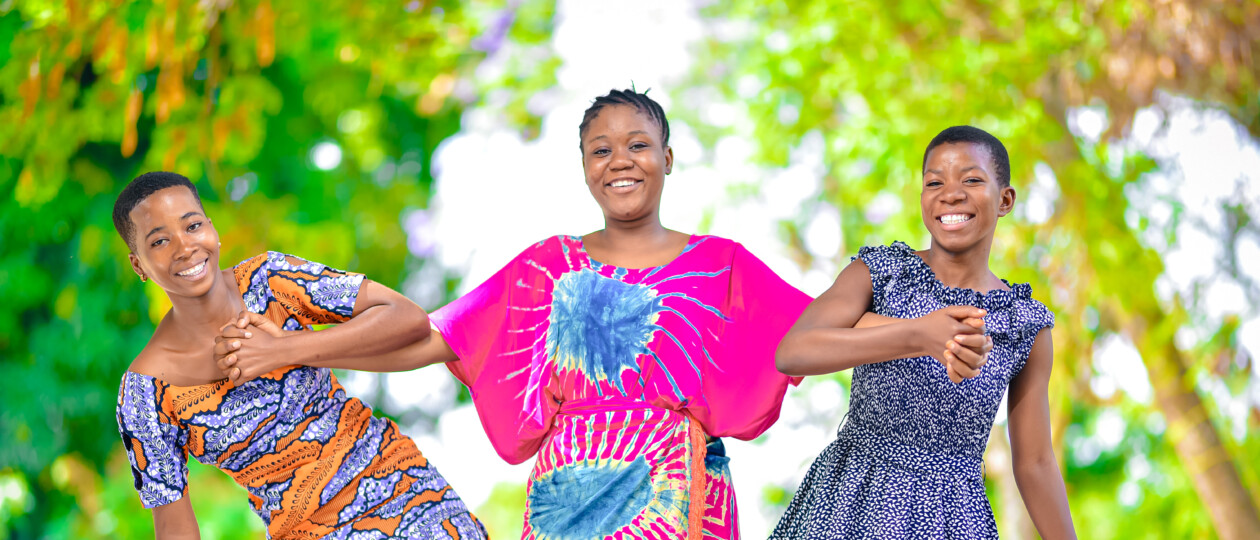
[1036, 469]
[175, 521]
[828, 338]
[387, 332]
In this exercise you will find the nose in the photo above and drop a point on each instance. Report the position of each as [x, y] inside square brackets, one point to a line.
[183, 247]
[620, 160]
[953, 193]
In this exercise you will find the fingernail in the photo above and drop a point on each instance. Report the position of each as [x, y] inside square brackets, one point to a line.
[249, 334]
[236, 344]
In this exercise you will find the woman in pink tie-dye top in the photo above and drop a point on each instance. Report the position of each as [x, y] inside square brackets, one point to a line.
[620, 357]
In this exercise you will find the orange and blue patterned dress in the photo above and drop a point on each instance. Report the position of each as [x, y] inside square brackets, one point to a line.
[315, 462]
[616, 379]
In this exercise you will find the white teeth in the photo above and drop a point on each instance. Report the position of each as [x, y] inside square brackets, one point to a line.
[953, 219]
[194, 270]
[621, 183]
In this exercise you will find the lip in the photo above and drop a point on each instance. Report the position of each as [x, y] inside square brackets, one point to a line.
[636, 183]
[205, 267]
[955, 226]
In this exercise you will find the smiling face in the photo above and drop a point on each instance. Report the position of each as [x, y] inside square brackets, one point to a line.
[625, 163]
[175, 244]
[962, 198]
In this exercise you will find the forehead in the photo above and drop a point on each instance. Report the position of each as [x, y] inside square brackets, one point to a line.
[163, 204]
[962, 154]
[621, 119]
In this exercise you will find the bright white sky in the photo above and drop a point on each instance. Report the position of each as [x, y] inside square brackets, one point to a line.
[496, 194]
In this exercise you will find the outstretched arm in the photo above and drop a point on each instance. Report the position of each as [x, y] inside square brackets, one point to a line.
[387, 332]
[175, 521]
[828, 337]
[1036, 470]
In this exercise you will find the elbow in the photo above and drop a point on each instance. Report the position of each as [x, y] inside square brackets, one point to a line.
[423, 328]
[1034, 466]
[413, 323]
[786, 361]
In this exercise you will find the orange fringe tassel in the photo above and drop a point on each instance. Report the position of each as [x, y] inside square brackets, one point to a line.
[695, 508]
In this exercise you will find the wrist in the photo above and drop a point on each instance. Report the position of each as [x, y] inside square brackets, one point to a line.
[919, 339]
[292, 349]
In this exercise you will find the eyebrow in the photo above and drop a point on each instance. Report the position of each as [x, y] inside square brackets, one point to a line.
[181, 218]
[938, 171]
[635, 132]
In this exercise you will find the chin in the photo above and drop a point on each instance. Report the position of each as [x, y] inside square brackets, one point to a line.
[956, 245]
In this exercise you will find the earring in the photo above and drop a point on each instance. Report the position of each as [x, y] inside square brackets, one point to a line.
[143, 279]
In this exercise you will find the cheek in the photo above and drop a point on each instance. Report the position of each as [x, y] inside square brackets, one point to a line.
[592, 173]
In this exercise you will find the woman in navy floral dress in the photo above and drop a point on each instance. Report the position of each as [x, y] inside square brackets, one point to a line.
[907, 463]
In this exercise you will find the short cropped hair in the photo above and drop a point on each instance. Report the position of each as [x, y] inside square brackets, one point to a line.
[139, 190]
[974, 135]
[633, 98]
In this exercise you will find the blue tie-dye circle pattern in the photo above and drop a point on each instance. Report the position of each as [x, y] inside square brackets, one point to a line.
[615, 492]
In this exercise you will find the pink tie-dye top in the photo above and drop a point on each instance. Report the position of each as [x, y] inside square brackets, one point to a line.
[696, 335]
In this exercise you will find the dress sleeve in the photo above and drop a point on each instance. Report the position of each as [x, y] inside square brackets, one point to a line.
[497, 331]
[883, 263]
[743, 391]
[1030, 317]
[311, 292]
[154, 443]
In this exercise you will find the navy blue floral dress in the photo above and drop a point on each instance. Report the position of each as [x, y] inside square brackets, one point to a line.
[908, 461]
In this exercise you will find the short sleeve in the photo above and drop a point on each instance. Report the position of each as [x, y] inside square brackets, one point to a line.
[744, 392]
[1028, 318]
[154, 445]
[312, 293]
[884, 262]
[495, 330]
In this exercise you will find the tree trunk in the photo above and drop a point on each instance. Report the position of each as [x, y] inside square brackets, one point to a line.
[1016, 524]
[1197, 442]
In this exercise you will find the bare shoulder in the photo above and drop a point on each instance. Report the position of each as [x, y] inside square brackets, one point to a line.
[843, 304]
[854, 279]
[164, 358]
[152, 362]
[153, 359]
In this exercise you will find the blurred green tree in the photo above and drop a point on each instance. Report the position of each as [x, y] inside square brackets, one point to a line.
[307, 126]
[875, 80]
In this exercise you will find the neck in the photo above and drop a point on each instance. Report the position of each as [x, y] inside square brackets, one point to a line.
[210, 311]
[629, 235]
[963, 269]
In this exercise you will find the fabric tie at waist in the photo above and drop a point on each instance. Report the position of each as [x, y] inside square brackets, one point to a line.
[695, 436]
[910, 458]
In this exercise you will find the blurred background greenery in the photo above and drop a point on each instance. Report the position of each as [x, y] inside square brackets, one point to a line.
[313, 128]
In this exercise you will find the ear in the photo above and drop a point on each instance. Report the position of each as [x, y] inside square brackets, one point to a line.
[135, 264]
[1006, 201]
[669, 159]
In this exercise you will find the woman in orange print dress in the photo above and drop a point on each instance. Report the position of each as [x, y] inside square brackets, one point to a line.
[316, 462]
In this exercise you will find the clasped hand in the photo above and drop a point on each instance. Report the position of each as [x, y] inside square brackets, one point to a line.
[955, 337]
[246, 347]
